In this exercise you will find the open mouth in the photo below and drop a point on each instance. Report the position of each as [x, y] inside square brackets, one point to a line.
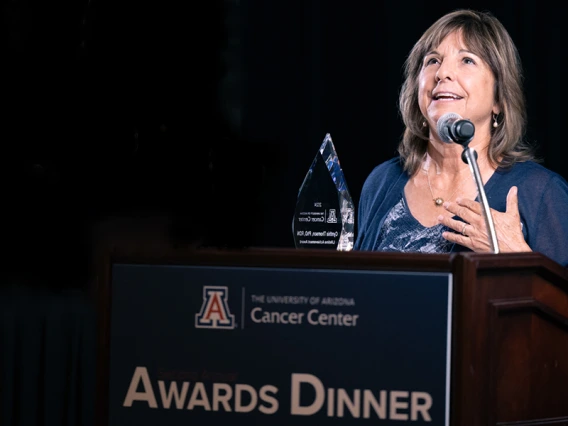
[446, 96]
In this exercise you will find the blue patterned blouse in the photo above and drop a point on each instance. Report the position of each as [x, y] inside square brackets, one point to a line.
[401, 232]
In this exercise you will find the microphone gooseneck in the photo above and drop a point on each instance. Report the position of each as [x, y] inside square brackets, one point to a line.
[469, 156]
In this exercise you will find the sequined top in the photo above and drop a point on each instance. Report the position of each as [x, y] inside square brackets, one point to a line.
[401, 232]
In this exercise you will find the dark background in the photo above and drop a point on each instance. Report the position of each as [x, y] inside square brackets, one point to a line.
[210, 113]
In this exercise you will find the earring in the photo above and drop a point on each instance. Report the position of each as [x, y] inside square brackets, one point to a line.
[424, 124]
[495, 124]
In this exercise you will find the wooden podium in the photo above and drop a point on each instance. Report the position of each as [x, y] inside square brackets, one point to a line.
[509, 362]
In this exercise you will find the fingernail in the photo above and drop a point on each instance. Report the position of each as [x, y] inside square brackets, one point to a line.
[446, 204]
[440, 218]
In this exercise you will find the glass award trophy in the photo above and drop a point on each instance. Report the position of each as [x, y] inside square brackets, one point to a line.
[324, 216]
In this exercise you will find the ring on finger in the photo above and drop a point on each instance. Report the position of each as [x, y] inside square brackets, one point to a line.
[463, 229]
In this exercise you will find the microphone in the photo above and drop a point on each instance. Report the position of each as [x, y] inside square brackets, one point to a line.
[453, 128]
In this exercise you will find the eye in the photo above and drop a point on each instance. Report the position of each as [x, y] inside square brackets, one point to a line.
[468, 60]
[430, 61]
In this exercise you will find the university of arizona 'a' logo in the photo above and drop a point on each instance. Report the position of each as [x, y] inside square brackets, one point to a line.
[215, 310]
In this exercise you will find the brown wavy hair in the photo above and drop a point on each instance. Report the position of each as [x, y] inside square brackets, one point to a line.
[485, 36]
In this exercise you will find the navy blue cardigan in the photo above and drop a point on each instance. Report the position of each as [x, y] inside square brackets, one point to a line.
[543, 204]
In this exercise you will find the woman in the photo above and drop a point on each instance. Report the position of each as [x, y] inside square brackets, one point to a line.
[425, 199]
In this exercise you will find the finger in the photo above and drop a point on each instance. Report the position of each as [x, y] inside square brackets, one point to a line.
[465, 212]
[460, 239]
[456, 225]
[513, 202]
[474, 206]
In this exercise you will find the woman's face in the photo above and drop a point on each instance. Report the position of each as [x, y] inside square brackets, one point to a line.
[453, 79]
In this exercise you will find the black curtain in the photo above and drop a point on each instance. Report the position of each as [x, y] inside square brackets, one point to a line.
[212, 113]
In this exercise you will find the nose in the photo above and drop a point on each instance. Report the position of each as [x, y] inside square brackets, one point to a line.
[445, 71]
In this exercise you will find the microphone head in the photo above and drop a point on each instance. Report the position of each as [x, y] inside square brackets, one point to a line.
[443, 125]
